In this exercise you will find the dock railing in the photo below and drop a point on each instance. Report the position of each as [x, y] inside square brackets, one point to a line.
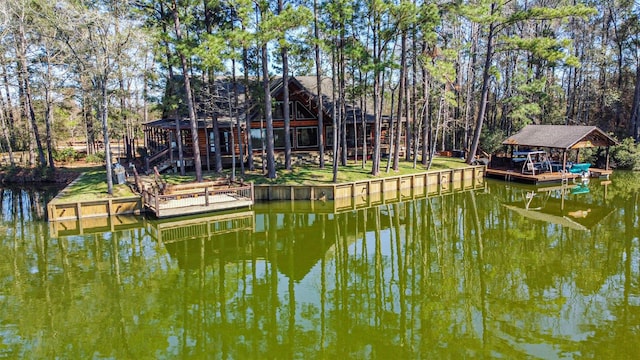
[190, 197]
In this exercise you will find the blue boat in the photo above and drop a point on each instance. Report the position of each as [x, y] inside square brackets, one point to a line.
[580, 168]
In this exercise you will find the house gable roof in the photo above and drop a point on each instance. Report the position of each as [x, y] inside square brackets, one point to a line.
[212, 99]
[560, 137]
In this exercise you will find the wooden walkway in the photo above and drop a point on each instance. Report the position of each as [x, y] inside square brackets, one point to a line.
[542, 178]
[514, 175]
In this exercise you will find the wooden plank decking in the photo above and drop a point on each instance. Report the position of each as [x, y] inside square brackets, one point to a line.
[197, 198]
[515, 175]
[198, 205]
[546, 177]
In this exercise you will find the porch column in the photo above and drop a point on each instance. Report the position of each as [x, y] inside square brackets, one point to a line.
[179, 141]
[206, 140]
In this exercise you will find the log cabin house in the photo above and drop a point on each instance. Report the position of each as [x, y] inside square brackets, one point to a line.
[164, 137]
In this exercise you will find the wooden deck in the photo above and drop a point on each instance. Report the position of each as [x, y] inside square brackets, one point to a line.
[197, 198]
[600, 173]
[515, 175]
[542, 178]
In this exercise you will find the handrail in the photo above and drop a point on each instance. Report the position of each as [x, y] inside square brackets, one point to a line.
[159, 154]
[200, 196]
[151, 159]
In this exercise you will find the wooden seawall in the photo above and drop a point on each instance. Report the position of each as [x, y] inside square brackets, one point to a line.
[344, 195]
[373, 190]
[60, 210]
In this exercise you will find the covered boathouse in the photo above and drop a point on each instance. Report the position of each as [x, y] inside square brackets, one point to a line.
[550, 153]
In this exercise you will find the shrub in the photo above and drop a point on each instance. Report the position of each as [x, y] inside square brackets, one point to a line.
[626, 155]
[142, 152]
[97, 158]
[65, 155]
[491, 140]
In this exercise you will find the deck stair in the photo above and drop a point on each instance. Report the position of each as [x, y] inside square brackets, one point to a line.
[164, 166]
[161, 159]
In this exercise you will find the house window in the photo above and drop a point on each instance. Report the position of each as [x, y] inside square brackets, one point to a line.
[328, 140]
[278, 138]
[212, 143]
[307, 136]
[278, 110]
[224, 142]
[302, 112]
[256, 136]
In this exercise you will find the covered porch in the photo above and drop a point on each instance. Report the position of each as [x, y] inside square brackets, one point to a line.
[168, 141]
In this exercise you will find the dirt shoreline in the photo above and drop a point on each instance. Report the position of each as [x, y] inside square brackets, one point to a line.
[24, 176]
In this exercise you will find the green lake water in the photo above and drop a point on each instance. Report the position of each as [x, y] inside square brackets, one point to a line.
[502, 271]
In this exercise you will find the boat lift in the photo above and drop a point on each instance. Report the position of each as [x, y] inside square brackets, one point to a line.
[533, 162]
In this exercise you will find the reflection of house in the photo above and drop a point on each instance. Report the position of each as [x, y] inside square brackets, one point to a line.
[294, 243]
[218, 101]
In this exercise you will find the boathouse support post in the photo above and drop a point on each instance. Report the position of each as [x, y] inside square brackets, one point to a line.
[607, 159]
[206, 196]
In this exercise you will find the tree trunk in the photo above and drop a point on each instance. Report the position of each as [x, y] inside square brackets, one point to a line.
[401, 94]
[336, 148]
[484, 92]
[319, 83]
[271, 162]
[375, 159]
[635, 110]
[238, 126]
[25, 84]
[6, 135]
[247, 102]
[187, 87]
[285, 100]
[342, 116]
[104, 117]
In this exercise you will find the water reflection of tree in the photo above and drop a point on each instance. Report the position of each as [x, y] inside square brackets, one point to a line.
[449, 276]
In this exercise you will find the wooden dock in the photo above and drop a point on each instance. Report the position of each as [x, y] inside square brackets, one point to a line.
[600, 173]
[542, 178]
[197, 198]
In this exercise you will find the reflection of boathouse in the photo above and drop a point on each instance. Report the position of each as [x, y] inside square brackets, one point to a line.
[563, 205]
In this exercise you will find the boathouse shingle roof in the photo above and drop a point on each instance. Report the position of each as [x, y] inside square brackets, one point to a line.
[560, 137]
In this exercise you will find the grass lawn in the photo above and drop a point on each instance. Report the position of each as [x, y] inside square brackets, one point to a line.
[351, 172]
[309, 175]
[92, 184]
